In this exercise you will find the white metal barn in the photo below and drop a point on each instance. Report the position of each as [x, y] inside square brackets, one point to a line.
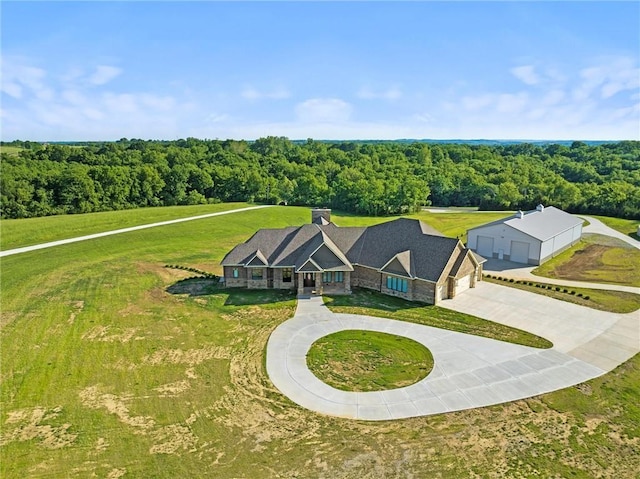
[531, 238]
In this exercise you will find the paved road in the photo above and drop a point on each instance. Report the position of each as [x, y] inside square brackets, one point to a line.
[597, 226]
[51, 244]
[469, 371]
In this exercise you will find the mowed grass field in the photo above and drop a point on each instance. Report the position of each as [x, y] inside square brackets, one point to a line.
[30, 231]
[105, 373]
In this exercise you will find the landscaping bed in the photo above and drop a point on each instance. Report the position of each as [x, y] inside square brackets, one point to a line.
[604, 300]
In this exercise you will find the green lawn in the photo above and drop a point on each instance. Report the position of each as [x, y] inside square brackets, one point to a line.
[372, 303]
[30, 231]
[596, 258]
[106, 373]
[368, 361]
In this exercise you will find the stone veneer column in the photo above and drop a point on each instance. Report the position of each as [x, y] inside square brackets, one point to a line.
[300, 283]
[347, 281]
[318, 283]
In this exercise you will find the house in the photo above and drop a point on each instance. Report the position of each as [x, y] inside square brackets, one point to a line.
[403, 257]
[531, 238]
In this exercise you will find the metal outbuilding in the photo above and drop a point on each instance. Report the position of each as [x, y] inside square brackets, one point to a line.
[530, 237]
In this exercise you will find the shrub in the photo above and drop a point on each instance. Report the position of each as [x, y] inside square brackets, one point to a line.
[573, 292]
[587, 298]
[511, 280]
[537, 285]
[565, 290]
[557, 288]
[579, 295]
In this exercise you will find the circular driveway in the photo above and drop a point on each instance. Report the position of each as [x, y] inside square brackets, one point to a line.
[469, 371]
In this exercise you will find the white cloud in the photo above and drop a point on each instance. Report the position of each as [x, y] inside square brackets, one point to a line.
[104, 74]
[553, 97]
[526, 74]
[477, 102]
[392, 93]
[11, 89]
[323, 110]
[18, 77]
[610, 77]
[251, 93]
[512, 103]
[423, 118]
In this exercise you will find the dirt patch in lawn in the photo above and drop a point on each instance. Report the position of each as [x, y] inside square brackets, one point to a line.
[30, 424]
[92, 398]
[191, 357]
[597, 262]
[103, 334]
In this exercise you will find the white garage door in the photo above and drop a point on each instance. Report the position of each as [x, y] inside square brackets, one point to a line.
[485, 246]
[463, 284]
[519, 252]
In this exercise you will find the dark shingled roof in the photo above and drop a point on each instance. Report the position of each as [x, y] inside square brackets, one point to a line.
[418, 245]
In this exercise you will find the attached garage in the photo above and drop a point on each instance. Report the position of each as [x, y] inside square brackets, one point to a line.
[519, 252]
[485, 246]
[464, 284]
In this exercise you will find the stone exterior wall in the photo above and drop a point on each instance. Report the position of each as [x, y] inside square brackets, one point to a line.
[424, 291]
[240, 281]
[279, 284]
[466, 268]
[257, 283]
[366, 278]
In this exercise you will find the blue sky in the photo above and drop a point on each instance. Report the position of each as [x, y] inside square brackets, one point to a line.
[323, 70]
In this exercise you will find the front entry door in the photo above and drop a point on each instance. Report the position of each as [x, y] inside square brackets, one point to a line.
[309, 280]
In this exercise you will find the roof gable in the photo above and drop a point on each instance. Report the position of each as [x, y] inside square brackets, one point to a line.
[326, 259]
[309, 266]
[429, 254]
[400, 264]
[258, 259]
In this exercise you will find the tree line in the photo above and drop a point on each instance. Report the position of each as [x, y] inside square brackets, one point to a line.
[370, 178]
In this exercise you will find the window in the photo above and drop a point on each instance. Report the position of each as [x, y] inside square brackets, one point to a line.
[236, 273]
[256, 273]
[287, 275]
[397, 284]
[338, 276]
[326, 277]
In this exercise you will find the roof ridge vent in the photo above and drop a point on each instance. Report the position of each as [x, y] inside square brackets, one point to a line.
[520, 214]
[540, 208]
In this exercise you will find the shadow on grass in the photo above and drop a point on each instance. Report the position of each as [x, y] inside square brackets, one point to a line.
[234, 296]
[365, 298]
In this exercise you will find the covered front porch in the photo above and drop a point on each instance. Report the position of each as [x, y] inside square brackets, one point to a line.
[324, 282]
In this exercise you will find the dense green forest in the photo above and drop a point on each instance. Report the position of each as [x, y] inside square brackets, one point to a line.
[373, 178]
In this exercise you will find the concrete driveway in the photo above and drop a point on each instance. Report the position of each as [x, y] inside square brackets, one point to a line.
[469, 371]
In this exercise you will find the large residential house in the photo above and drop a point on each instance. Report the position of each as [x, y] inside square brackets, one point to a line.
[403, 257]
[530, 237]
